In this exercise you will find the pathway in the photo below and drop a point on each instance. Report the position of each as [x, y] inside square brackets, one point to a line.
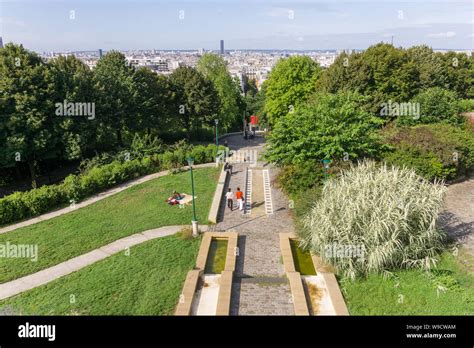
[260, 286]
[458, 215]
[93, 199]
[47, 275]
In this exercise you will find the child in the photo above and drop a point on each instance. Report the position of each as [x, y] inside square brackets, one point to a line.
[240, 198]
[230, 199]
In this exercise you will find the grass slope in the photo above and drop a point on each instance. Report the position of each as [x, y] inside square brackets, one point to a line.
[139, 208]
[419, 296]
[146, 282]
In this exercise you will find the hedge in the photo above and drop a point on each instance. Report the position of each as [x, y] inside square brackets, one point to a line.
[22, 205]
[438, 151]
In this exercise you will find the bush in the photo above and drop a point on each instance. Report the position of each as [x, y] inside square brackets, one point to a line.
[436, 105]
[298, 178]
[434, 151]
[387, 213]
[466, 105]
[332, 126]
[22, 205]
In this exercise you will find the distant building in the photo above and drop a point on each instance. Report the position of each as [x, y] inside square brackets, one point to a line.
[1, 42]
[100, 53]
[222, 47]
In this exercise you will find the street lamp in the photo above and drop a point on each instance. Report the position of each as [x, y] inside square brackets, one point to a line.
[194, 221]
[217, 142]
[326, 163]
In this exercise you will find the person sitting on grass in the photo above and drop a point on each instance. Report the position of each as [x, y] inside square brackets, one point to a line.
[175, 198]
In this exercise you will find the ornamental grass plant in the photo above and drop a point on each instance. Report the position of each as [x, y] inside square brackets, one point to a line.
[373, 219]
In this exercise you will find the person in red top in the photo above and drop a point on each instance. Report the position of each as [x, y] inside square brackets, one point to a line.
[240, 198]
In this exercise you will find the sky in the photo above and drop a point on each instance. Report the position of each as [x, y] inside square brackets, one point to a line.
[72, 25]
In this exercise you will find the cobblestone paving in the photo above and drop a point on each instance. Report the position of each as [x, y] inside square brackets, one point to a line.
[259, 246]
[457, 217]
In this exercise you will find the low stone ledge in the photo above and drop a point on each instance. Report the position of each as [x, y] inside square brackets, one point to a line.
[225, 291]
[219, 193]
[286, 253]
[203, 251]
[335, 294]
[297, 292]
[187, 295]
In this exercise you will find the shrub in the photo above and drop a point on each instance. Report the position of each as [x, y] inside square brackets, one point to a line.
[332, 126]
[466, 105]
[388, 213]
[436, 105]
[298, 178]
[434, 151]
[72, 188]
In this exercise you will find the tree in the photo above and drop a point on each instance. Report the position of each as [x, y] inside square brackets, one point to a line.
[113, 78]
[73, 83]
[28, 113]
[152, 97]
[459, 71]
[214, 67]
[332, 126]
[289, 85]
[195, 101]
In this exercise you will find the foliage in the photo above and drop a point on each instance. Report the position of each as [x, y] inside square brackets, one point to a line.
[113, 78]
[466, 105]
[436, 105]
[298, 178]
[152, 98]
[434, 151]
[290, 83]
[27, 119]
[332, 126]
[196, 101]
[383, 73]
[214, 67]
[388, 213]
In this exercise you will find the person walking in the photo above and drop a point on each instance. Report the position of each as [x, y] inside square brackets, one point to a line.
[240, 198]
[230, 199]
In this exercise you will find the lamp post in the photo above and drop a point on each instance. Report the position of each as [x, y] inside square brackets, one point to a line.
[326, 163]
[217, 142]
[194, 221]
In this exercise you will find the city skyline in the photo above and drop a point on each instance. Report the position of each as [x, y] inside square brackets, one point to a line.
[58, 25]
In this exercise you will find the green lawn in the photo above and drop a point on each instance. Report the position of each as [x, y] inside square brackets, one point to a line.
[415, 292]
[147, 282]
[134, 210]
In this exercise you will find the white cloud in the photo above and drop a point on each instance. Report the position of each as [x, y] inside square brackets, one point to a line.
[444, 35]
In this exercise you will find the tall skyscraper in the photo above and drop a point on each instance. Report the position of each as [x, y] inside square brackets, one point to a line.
[1, 42]
[222, 47]
[100, 53]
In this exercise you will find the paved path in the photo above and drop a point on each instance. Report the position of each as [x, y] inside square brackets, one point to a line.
[47, 275]
[260, 285]
[93, 199]
[458, 215]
